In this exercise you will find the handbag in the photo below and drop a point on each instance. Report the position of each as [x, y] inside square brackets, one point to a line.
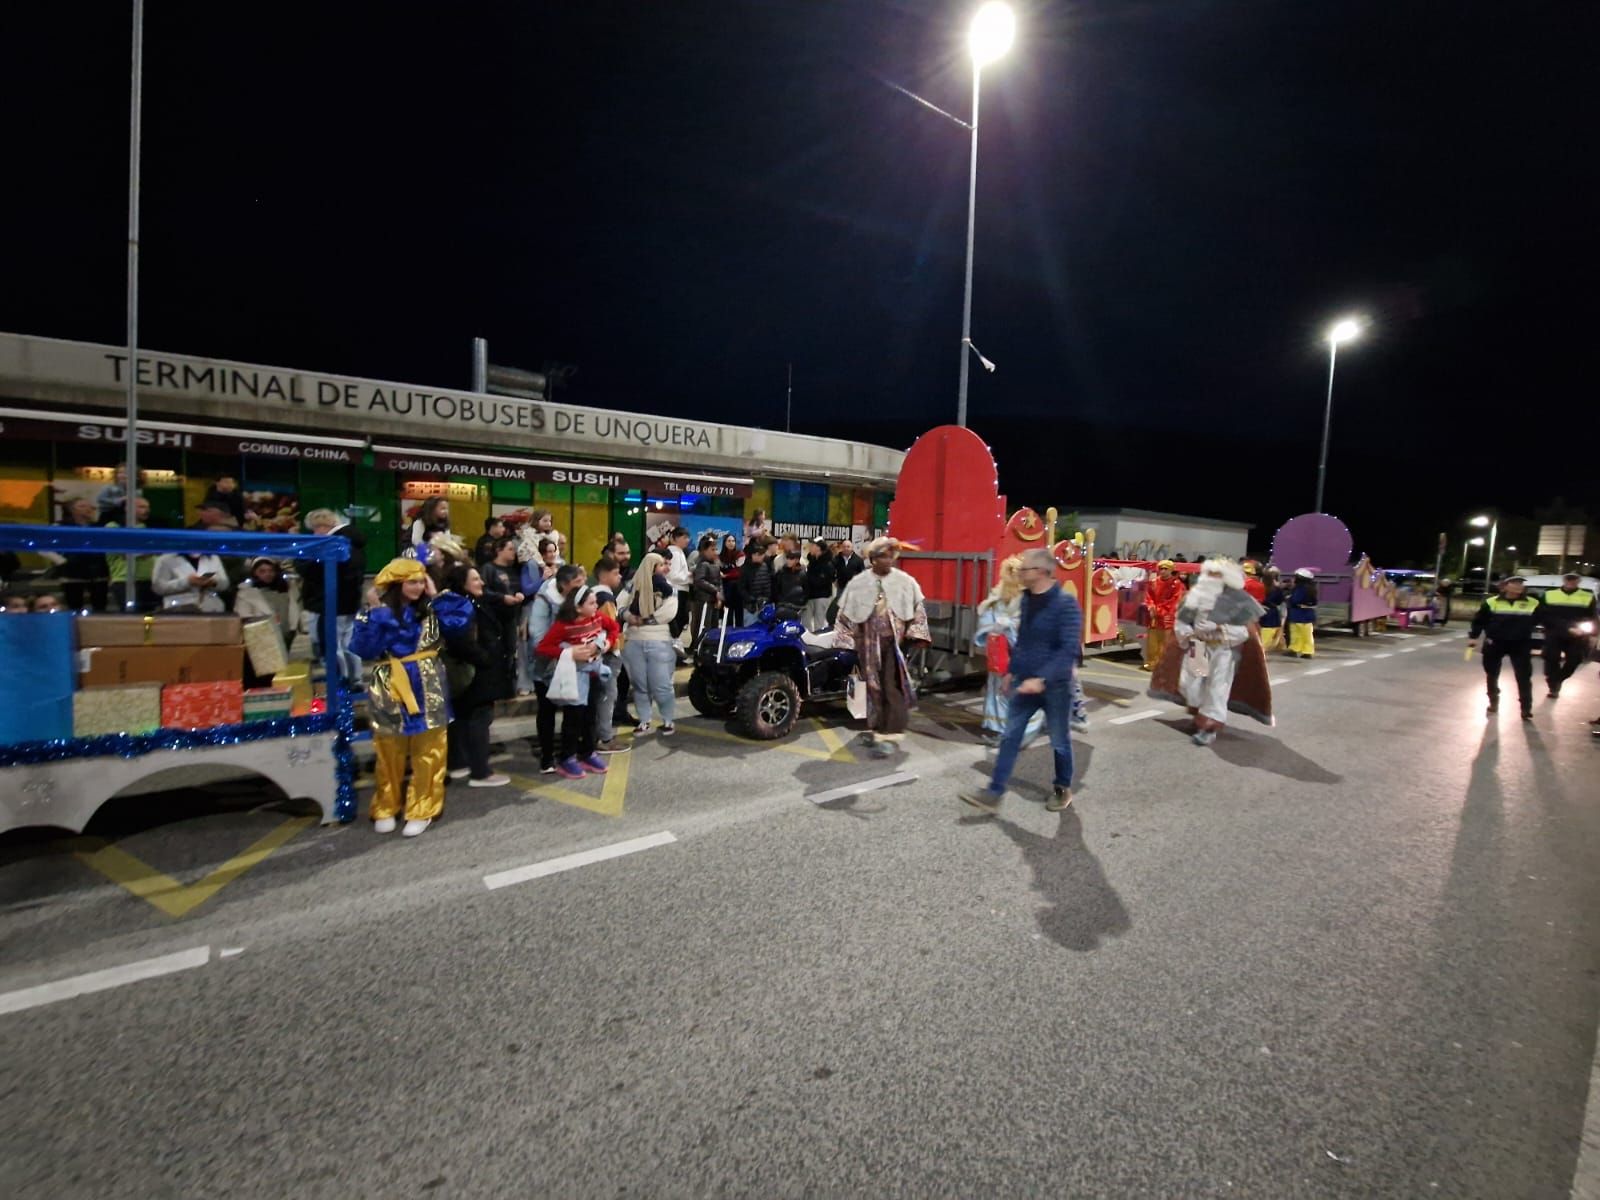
[855, 696]
[997, 654]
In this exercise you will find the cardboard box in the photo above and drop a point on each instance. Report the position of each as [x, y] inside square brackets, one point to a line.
[116, 665]
[135, 708]
[202, 705]
[159, 630]
[267, 704]
[263, 644]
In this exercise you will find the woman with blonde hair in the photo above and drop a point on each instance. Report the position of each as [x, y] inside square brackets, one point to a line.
[650, 653]
[999, 618]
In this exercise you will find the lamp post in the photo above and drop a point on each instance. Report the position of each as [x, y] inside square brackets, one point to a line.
[1344, 330]
[993, 28]
[1462, 574]
[1493, 524]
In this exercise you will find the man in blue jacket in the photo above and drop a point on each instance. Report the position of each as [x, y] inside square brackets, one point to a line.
[1042, 668]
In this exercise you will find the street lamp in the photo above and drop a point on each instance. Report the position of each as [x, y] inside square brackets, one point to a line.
[1464, 546]
[1344, 330]
[994, 27]
[1493, 523]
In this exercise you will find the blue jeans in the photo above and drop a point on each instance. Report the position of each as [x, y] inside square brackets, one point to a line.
[349, 664]
[1056, 700]
[651, 664]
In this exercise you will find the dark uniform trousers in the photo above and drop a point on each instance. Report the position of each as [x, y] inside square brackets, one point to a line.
[1521, 656]
[1563, 655]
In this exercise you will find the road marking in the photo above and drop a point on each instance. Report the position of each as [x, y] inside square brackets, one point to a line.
[569, 862]
[834, 743]
[1354, 662]
[165, 892]
[1317, 671]
[1407, 649]
[1384, 654]
[1137, 716]
[99, 981]
[866, 785]
[722, 735]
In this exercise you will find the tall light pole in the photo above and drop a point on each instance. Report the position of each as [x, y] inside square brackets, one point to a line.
[993, 29]
[1345, 330]
[1494, 529]
[1462, 574]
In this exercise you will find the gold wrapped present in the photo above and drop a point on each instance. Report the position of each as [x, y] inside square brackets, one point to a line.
[129, 708]
[296, 676]
[264, 644]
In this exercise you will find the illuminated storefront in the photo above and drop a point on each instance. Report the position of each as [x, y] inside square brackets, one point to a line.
[297, 440]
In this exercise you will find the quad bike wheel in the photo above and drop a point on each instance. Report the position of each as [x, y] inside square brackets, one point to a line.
[708, 701]
[769, 705]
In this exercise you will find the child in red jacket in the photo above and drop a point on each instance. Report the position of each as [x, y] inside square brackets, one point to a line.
[580, 627]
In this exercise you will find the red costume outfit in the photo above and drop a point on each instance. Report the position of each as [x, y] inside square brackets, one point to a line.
[1256, 589]
[1162, 598]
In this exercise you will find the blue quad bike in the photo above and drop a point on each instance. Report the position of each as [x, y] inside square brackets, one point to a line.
[767, 671]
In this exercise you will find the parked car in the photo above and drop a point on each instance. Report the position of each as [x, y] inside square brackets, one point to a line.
[763, 673]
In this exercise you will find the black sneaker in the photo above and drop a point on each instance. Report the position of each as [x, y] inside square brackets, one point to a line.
[982, 799]
[1527, 714]
[547, 768]
[1494, 705]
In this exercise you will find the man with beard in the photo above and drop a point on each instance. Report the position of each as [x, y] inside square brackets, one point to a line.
[880, 614]
[1215, 661]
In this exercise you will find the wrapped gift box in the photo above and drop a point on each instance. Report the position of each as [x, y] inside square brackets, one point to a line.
[158, 630]
[202, 705]
[115, 665]
[296, 676]
[36, 649]
[264, 644]
[135, 708]
[268, 703]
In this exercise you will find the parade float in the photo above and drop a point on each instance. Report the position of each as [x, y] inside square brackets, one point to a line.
[1351, 592]
[948, 504]
[102, 706]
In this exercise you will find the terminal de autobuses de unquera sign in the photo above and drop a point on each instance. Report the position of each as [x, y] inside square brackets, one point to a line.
[448, 414]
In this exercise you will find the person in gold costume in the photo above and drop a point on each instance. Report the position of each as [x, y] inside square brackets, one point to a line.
[408, 693]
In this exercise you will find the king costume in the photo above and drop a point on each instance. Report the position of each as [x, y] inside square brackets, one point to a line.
[878, 616]
[1215, 661]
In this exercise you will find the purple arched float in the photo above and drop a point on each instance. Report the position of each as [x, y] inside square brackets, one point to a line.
[1347, 593]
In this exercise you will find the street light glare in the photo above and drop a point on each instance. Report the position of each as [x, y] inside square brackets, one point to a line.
[1476, 542]
[993, 29]
[1479, 522]
[1347, 330]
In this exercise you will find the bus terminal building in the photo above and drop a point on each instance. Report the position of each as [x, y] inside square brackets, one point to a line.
[299, 440]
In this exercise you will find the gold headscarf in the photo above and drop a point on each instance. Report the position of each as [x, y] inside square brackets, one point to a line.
[399, 570]
[644, 580]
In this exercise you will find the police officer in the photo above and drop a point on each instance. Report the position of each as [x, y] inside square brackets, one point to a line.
[1509, 620]
[1569, 626]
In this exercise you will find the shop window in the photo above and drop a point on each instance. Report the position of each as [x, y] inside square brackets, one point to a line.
[510, 491]
[799, 503]
[271, 488]
[325, 485]
[376, 512]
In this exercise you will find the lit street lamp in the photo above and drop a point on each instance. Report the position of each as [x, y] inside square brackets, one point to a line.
[1345, 330]
[1461, 574]
[1494, 529]
[993, 29]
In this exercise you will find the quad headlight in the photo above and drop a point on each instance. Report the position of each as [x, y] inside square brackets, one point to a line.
[738, 650]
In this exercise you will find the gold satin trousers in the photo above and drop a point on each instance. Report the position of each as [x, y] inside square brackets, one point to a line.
[425, 797]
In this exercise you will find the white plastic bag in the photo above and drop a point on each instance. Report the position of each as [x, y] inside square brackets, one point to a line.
[564, 683]
[855, 699]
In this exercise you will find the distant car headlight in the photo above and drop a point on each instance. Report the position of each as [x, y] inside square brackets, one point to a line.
[738, 650]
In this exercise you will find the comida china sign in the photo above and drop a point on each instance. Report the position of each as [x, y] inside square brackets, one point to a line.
[163, 435]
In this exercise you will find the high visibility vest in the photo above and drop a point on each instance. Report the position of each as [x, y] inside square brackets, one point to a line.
[1577, 599]
[1523, 607]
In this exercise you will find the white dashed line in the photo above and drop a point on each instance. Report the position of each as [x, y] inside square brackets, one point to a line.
[1385, 654]
[568, 862]
[1280, 680]
[100, 981]
[1317, 671]
[866, 785]
[1407, 649]
[1138, 716]
[1354, 662]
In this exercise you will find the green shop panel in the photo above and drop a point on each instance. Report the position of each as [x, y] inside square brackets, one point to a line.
[552, 494]
[377, 513]
[325, 485]
[511, 491]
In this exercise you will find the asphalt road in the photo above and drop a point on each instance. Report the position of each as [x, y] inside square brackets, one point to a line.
[1353, 955]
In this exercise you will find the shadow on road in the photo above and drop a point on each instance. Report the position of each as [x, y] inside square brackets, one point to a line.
[1242, 749]
[1082, 907]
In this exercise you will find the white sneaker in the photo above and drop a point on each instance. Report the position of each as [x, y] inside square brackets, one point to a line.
[414, 827]
[383, 825]
[642, 730]
[491, 781]
[460, 772]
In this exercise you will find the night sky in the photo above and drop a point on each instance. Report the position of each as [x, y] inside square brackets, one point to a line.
[680, 198]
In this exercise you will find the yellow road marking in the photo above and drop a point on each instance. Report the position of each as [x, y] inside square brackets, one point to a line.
[722, 735]
[831, 739]
[177, 899]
